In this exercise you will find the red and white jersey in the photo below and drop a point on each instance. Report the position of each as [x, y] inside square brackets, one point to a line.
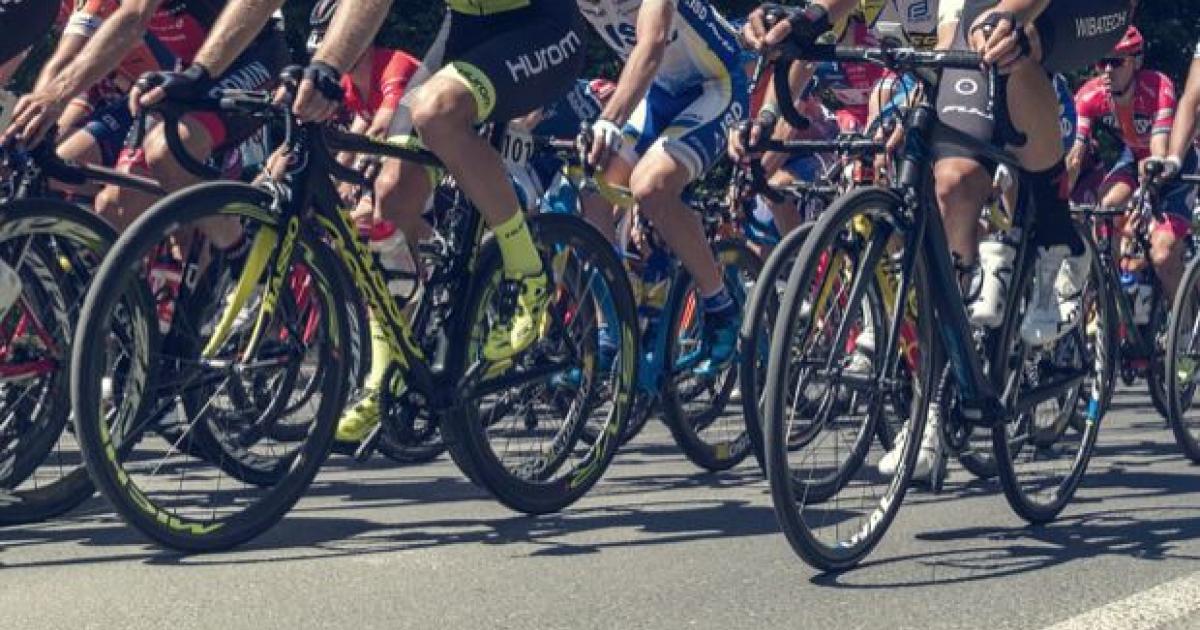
[1149, 112]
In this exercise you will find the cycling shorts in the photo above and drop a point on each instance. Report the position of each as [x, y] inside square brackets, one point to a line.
[1176, 198]
[516, 61]
[109, 125]
[564, 118]
[690, 126]
[24, 23]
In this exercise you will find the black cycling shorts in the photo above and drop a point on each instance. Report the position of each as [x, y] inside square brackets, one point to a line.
[1074, 34]
[24, 23]
[516, 61]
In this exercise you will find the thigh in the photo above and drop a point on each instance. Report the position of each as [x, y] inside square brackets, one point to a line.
[696, 137]
[256, 69]
[518, 63]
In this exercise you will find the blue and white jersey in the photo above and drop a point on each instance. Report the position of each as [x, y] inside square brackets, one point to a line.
[703, 46]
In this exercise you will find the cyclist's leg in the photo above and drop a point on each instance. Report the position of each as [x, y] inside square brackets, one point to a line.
[401, 192]
[1168, 240]
[489, 78]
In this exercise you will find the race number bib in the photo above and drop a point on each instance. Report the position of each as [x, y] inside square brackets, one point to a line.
[517, 148]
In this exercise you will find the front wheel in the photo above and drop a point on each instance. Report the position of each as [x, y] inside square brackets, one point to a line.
[1182, 363]
[835, 492]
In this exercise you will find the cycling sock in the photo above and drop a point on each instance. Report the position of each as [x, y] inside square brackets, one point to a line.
[719, 302]
[1050, 196]
[381, 357]
[516, 247]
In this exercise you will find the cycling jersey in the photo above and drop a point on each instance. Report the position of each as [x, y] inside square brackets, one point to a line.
[181, 26]
[391, 72]
[149, 56]
[920, 19]
[582, 105]
[485, 7]
[1150, 113]
[700, 88]
[702, 45]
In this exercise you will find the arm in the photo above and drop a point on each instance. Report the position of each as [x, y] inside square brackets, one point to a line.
[240, 22]
[653, 30]
[69, 47]
[352, 31]
[1184, 129]
[103, 52]
[1164, 119]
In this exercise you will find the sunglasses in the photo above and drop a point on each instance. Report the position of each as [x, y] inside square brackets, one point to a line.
[1112, 62]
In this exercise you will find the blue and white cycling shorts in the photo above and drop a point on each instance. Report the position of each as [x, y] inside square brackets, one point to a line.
[691, 126]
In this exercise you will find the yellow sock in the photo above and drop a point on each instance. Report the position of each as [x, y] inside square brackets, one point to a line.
[381, 356]
[516, 247]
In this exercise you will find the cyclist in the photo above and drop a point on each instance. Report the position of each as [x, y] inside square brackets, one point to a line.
[1140, 104]
[1000, 31]
[1183, 152]
[496, 60]
[116, 28]
[681, 88]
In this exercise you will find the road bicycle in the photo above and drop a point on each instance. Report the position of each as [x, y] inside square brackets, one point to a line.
[1183, 353]
[505, 423]
[833, 501]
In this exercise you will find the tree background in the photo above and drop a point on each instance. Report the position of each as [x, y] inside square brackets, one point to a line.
[1171, 26]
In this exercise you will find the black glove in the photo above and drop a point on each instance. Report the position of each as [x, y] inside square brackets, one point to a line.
[994, 19]
[809, 24]
[326, 79]
[191, 85]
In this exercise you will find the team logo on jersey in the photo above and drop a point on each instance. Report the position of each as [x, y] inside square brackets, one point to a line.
[918, 11]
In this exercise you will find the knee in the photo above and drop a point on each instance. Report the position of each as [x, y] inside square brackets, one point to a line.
[959, 187]
[1162, 250]
[438, 112]
[652, 193]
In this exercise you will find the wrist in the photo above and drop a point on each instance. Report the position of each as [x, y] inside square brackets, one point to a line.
[198, 72]
[325, 66]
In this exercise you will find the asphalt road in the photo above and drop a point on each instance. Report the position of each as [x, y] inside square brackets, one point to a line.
[656, 545]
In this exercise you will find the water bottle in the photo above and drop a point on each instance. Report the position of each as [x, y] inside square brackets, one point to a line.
[394, 258]
[996, 256]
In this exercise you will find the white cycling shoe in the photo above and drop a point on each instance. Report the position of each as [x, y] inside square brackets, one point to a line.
[930, 457]
[1057, 295]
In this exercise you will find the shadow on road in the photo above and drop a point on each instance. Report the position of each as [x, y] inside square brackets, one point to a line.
[996, 552]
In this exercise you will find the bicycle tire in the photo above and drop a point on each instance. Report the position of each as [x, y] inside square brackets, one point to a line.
[467, 429]
[106, 453]
[77, 228]
[1011, 480]
[1185, 314]
[725, 447]
[881, 206]
[759, 320]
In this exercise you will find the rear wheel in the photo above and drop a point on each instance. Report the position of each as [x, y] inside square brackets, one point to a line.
[1041, 456]
[520, 429]
[699, 409]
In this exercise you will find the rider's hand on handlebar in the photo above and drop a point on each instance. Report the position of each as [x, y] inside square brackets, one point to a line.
[606, 142]
[152, 88]
[764, 127]
[34, 115]
[1159, 169]
[320, 94]
[1000, 39]
[765, 30]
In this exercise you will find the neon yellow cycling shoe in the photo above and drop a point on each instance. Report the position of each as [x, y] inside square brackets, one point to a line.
[1185, 370]
[510, 337]
[358, 421]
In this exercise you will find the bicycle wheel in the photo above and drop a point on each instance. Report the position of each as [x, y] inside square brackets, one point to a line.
[1040, 454]
[54, 247]
[757, 323]
[833, 500]
[1182, 360]
[696, 409]
[1157, 331]
[126, 380]
[520, 430]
